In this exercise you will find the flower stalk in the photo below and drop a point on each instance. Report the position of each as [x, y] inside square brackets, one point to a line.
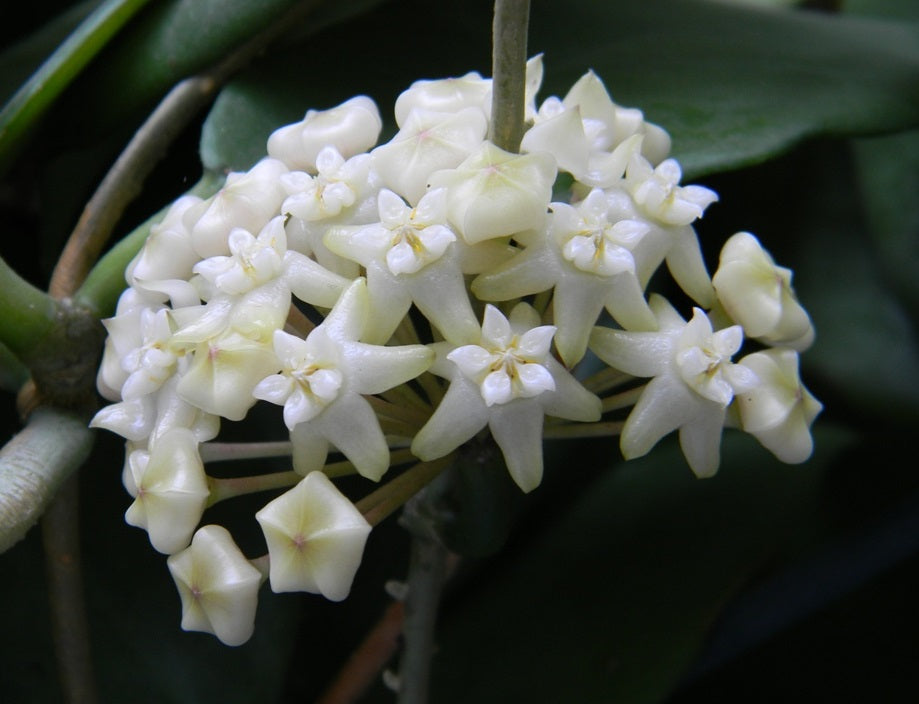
[509, 57]
[624, 399]
[390, 497]
[223, 451]
[571, 431]
[232, 487]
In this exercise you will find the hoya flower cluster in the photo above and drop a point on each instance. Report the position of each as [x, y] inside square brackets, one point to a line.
[397, 300]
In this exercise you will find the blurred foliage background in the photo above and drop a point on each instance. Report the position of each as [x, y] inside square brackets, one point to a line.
[613, 582]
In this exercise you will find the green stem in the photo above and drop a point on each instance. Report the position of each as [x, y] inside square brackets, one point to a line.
[405, 395]
[231, 487]
[432, 388]
[624, 399]
[34, 464]
[393, 495]
[346, 468]
[509, 58]
[397, 432]
[223, 451]
[33, 99]
[410, 415]
[605, 379]
[570, 431]
[541, 302]
[222, 489]
[27, 314]
[125, 179]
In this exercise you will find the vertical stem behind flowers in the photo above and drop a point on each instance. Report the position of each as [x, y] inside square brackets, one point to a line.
[509, 58]
[428, 567]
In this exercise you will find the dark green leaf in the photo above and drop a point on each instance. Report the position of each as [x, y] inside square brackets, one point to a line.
[37, 95]
[19, 60]
[175, 39]
[734, 84]
[611, 602]
[866, 351]
[888, 173]
[341, 62]
[893, 9]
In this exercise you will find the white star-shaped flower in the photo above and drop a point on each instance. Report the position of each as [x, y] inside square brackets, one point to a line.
[338, 185]
[125, 334]
[607, 125]
[586, 255]
[248, 200]
[315, 538]
[446, 95]
[757, 294]
[779, 411]
[150, 364]
[223, 373]
[253, 260]
[171, 490]
[428, 141]
[258, 262]
[410, 255]
[470, 90]
[693, 382]
[494, 193]
[351, 128]
[309, 380]
[322, 382]
[164, 264]
[654, 196]
[145, 418]
[218, 586]
[508, 381]
[659, 196]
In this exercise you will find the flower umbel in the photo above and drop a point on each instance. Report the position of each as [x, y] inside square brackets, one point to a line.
[395, 303]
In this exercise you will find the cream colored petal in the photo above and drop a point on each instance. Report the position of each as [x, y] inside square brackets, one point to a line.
[315, 538]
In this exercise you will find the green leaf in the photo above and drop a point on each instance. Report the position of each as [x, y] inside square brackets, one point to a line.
[894, 9]
[37, 95]
[612, 601]
[178, 38]
[21, 59]
[734, 84]
[867, 350]
[888, 175]
[278, 90]
[172, 40]
[738, 84]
